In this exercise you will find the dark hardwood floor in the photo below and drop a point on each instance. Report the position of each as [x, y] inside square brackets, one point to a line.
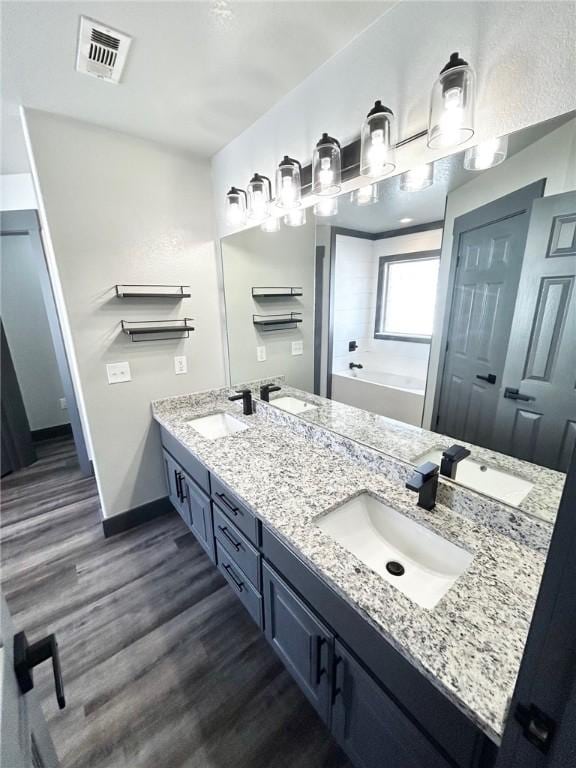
[162, 666]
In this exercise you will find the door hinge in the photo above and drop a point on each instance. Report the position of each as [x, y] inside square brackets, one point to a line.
[537, 726]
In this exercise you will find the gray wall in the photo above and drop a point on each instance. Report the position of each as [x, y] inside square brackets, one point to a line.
[28, 333]
[256, 258]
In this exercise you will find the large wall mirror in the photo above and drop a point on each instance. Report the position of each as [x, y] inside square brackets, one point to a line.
[429, 310]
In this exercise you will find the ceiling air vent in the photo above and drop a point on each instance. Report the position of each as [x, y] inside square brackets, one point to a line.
[102, 51]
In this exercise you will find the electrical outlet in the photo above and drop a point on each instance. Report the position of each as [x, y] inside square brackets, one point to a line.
[63, 404]
[297, 347]
[118, 372]
[180, 364]
[261, 354]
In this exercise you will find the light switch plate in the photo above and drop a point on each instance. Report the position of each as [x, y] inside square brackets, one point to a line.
[118, 372]
[180, 364]
[261, 354]
[297, 347]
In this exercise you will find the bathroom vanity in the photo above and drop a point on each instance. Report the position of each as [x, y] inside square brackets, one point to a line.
[419, 681]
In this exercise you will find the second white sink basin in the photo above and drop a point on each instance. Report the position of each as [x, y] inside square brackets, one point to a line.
[217, 425]
[480, 477]
[292, 404]
[412, 558]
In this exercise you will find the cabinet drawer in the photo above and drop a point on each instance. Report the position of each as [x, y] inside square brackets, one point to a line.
[235, 511]
[237, 546]
[245, 592]
[189, 463]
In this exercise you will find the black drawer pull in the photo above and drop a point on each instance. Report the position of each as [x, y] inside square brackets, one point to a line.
[27, 656]
[239, 584]
[236, 544]
[228, 504]
[182, 494]
[490, 378]
[177, 481]
[513, 394]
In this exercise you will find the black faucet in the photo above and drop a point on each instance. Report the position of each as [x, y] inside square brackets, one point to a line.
[425, 482]
[450, 458]
[265, 390]
[355, 365]
[246, 396]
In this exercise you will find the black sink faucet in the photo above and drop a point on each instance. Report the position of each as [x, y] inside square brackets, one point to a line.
[355, 365]
[265, 390]
[246, 396]
[424, 481]
[450, 458]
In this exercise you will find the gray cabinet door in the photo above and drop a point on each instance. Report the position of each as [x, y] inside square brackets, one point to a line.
[300, 639]
[369, 726]
[174, 482]
[199, 514]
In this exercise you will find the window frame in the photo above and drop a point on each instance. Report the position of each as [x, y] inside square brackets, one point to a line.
[383, 263]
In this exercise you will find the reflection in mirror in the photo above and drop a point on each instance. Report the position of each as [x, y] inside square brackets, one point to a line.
[438, 308]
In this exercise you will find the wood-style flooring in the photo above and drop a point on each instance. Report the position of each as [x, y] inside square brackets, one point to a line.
[162, 666]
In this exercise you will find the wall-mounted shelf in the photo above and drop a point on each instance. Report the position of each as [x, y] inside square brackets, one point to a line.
[153, 291]
[157, 330]
[278, 322]
[266, 292]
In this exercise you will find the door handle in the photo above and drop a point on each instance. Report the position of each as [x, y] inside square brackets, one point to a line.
[513, 394]
[27, 656]
[318, 668]
[177, 481]
[182, 494]
[490, 378]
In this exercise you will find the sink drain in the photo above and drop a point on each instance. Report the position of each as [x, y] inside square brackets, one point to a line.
[395, 568]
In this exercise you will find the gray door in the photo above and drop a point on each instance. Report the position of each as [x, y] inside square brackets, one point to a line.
[541, 363]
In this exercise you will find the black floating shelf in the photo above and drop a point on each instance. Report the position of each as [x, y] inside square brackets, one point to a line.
[153, 291]
[278, 322]
[266, 292]
[158, 330]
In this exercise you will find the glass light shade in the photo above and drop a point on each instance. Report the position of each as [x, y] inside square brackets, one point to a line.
[326, 206]
[235, 207]
[259, 197]
[327, 167]
[417, 179]
[365, 195]
[486, 155]
[295, 218]
[377, 142]
[288, 184]
[452, 105]
[271, 224]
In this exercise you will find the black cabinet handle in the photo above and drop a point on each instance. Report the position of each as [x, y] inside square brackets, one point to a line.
[513, 394]
[238, 584]
[318, 668]
[228, 504]
[27, 656]
[236, 544]
[182, 494]
[490, 378]
[177, 481]
[338, 688]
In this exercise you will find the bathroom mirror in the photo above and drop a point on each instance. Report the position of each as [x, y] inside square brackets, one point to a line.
[429, 310]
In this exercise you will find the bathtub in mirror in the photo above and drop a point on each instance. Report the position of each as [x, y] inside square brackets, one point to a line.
[416, 318]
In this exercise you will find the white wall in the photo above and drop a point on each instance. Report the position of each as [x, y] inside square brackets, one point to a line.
[523, 53]
[256, 258]
[553, 158]
[28, 334]
[122, 210]
[17, 192]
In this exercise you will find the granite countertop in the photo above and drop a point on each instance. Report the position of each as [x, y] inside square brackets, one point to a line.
[407, 442]
[470, 645]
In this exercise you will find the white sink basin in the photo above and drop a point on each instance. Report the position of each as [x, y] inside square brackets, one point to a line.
[479, 477]
[379, 535]
[217, 425]
[292, 404]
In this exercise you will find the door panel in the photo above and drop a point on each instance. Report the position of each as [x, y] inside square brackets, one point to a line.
[174, 485]
[199, 513]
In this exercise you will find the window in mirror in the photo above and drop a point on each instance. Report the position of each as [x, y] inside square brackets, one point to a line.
[406, 296]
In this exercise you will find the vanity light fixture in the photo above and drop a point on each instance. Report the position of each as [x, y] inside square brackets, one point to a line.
[326, 206]
[271, 224]
[235, 206]
[377, 142]
[327, 167]
[288, 183]
[417, 179]
[452, 105]
[486, 155]
[366, 195]
[295, 218]
[259, 196]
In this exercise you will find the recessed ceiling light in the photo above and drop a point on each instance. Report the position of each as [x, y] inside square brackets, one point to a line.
[406, 221]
